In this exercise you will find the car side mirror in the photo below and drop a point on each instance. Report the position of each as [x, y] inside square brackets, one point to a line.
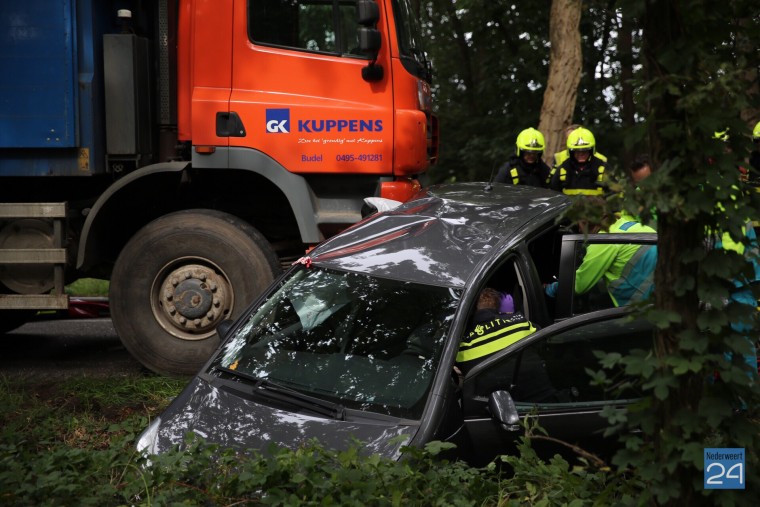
[503, 410]
[223, 328]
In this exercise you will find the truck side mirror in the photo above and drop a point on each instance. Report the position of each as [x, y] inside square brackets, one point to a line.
[370, 41]
[369, 44]
[503, 410]
[367, 12]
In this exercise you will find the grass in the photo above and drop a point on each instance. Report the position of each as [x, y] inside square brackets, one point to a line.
[80, 412]
[88, 287]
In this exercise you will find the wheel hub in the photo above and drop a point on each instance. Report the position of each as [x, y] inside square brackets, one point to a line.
[194, 299]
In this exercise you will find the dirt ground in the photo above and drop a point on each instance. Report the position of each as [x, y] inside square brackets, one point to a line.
[59, 348]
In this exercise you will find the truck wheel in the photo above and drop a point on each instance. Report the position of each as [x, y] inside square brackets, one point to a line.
[177, 278]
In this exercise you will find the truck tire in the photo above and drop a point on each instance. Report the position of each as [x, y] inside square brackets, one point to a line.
[178, 278]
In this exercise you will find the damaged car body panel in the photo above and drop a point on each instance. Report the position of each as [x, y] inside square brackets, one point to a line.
[357, 342]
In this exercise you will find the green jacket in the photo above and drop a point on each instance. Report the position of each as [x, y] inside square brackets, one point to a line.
[627, 269]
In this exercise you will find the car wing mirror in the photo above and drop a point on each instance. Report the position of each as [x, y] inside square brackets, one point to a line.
[223, 328]
[503, 410]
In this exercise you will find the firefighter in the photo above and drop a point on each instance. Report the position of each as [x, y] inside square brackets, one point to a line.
[563, 155]
[526, 167]
[582, 173]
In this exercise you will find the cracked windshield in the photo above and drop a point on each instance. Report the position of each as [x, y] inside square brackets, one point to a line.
[368, 343]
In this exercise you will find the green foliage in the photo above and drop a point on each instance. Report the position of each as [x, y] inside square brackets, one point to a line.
[491, 62]
[79, 412]
[534, 482]
[695, 73]
[700, 63]
[310, 475]
[72, 443]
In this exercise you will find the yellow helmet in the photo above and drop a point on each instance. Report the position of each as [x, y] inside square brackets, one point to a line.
[581, 139]
[530, 140]
[756, 132]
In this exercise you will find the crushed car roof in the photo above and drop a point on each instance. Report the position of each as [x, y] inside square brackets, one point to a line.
[439, 237]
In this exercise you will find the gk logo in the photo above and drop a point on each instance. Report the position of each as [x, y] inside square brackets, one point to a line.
[277, 126]
[278, 121]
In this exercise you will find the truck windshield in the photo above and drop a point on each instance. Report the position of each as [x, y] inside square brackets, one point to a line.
[410, 42]
[367, 343]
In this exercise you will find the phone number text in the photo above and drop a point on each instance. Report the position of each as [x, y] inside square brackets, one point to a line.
[371, 157]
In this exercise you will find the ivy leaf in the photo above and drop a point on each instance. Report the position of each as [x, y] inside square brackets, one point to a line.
[712, 321]
[609, 360]
[661, 386]
[714, 410]
[436, 447]
[682, 365]
[693, 340]
[663, 318]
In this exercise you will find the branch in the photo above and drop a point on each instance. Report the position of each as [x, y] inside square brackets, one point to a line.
[593, 458]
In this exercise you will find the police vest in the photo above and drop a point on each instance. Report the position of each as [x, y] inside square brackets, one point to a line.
[493, 336]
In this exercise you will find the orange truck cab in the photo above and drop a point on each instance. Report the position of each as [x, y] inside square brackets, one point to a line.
[190, 148]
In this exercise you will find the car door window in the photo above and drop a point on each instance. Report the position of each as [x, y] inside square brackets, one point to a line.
[591, 297]
[547, 376]
[569, 356]
[551, 368]
[508, 280]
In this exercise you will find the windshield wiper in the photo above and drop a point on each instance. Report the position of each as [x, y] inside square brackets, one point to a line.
[268, 389]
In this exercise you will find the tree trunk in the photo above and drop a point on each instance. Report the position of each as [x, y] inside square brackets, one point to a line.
[564, 74]
[464, 53]
[627, 105]
[751, 114]
[662, 24]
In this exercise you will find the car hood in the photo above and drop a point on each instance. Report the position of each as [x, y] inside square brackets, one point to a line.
[222, 417]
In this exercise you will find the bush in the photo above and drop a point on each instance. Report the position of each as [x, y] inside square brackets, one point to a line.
[72, 443]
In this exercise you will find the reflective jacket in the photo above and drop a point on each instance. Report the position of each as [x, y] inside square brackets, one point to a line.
[572, 179]
[493, 332]
[517, 172]
[563, 155]
[627, 269]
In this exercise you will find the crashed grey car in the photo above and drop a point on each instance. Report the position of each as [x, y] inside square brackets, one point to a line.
[358, 340]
